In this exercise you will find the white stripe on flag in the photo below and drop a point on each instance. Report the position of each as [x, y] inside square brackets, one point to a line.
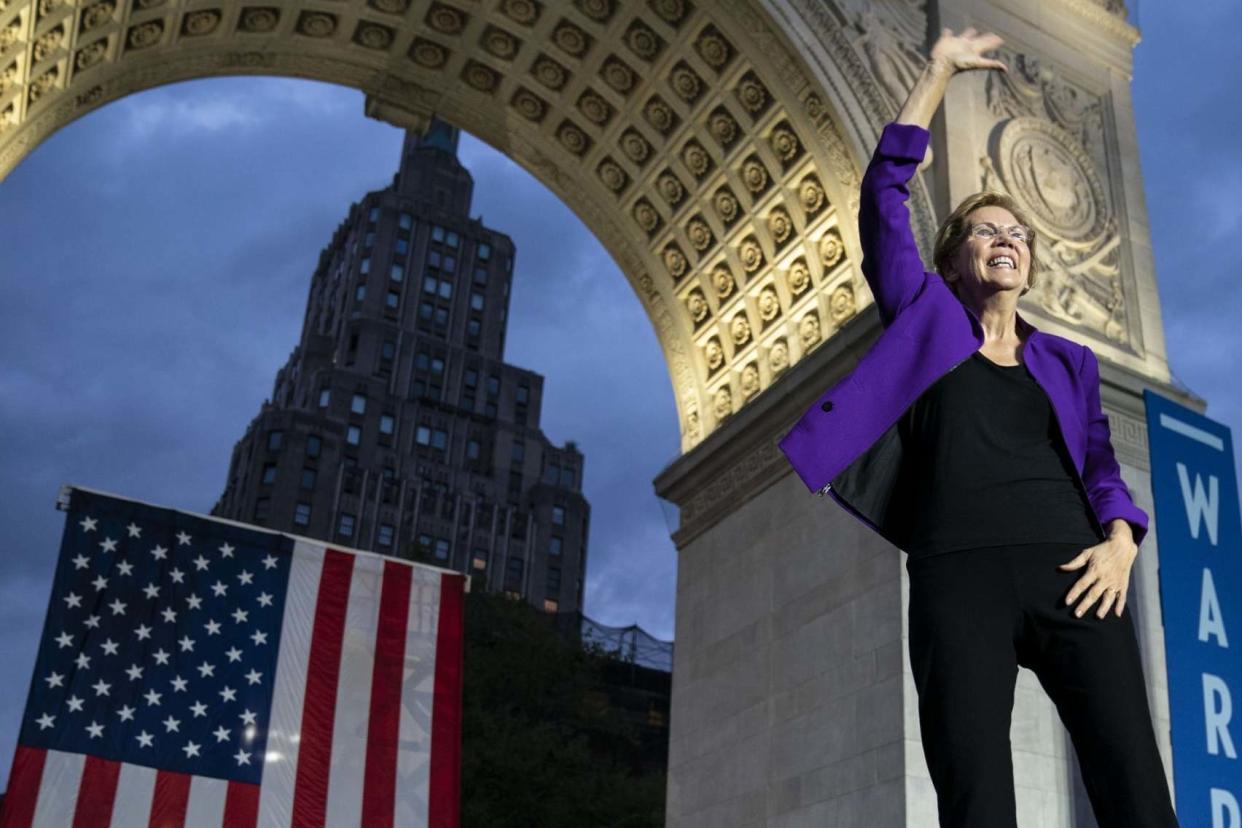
[353, 693]
[414, 745]
[281, 763]
[135, 786]
[58, 791]
[206, 806]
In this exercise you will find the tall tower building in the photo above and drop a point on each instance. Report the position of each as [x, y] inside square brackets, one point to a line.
[396, 425]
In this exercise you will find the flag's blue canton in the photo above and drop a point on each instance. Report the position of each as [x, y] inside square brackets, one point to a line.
[161, 640]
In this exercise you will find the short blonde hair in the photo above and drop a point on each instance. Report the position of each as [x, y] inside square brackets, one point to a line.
[956, 229]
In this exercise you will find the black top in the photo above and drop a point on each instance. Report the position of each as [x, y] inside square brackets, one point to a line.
[987, 465]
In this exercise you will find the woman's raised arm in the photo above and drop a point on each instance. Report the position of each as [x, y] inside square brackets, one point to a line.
[891, 262]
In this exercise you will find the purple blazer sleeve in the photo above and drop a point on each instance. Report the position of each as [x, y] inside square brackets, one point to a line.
[1100, 473]
[891, 261]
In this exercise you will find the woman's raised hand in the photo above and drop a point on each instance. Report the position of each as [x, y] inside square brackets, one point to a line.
[952, 53]
[964, 51]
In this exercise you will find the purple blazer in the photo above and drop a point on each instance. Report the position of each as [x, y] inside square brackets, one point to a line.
[847, 444]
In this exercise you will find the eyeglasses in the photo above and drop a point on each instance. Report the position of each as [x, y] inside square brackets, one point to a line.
[1014, 232]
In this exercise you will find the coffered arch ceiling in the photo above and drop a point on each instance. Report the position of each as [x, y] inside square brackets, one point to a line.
[687, 135]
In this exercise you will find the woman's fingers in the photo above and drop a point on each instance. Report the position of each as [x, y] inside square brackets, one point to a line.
[1109, 597]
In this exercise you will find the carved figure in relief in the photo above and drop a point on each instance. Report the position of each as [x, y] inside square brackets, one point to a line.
[976, 443]
[888, 33]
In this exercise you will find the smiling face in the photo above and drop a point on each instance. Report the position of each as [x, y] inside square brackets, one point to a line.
[994, 264]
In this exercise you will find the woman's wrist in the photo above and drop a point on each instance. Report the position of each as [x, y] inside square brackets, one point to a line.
[1119, 527]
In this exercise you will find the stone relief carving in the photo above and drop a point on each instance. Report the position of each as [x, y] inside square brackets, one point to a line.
[889, 34]
[1046, 151]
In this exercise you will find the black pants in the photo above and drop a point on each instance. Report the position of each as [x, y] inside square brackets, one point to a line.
[975, 616]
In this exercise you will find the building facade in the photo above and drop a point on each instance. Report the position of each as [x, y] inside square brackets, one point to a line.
[395, 425]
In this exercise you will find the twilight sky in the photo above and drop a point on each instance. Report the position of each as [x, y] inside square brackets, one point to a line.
[159, 250]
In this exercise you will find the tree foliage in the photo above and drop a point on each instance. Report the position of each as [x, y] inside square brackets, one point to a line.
[541, 744]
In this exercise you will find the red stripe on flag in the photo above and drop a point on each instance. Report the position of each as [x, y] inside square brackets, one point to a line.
[96, 793]
[444, 794]
[241, 805]
[383, 724]
[310, 789]
[23, 795]
[169, 800]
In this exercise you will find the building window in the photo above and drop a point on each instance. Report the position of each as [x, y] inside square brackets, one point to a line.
[554, 580]
[513, 570]
[358, 404]
[433, 258]
[364, 266]
[425, 310]
[402, 247]
[346, 527]
[441, 317]
[422, 361]
[439, 439]
[473, 327]
[442, 549]
[489, 409]
[485, 250]
[519, 452]
[313, 446]
[430, 283]
[386, 424]
[437, 365]
[437, 233]
[493, 385]
[472, 377]
[405, 221]
[446, 289]
[480, 559]
[558, 515]
[476, 301]
[388, 350]
[325, 396]
[308, 478]
[369, 241]
[269, 474]
[396, 273]
[554, 545]
[393, 300]
[374, 215]
[275, 439]
[551, 474]
[523, 394]
[480, 276]
[567, 477]
[423, 435]
[301, 514]
[360, 293]
[262, 508]
[550, 604]
[385, 535]
[354, 435]
[472, 449]
[451, 239]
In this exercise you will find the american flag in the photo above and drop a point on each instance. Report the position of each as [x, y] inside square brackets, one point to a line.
[200, 672]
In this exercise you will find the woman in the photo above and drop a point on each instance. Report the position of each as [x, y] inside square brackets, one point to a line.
[977, 444]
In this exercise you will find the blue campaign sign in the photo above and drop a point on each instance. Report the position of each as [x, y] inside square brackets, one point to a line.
[1196, 495]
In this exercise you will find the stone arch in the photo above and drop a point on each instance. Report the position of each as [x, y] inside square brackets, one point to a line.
[691, 138]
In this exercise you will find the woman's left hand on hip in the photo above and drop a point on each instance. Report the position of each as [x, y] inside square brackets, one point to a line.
[1108, 574]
